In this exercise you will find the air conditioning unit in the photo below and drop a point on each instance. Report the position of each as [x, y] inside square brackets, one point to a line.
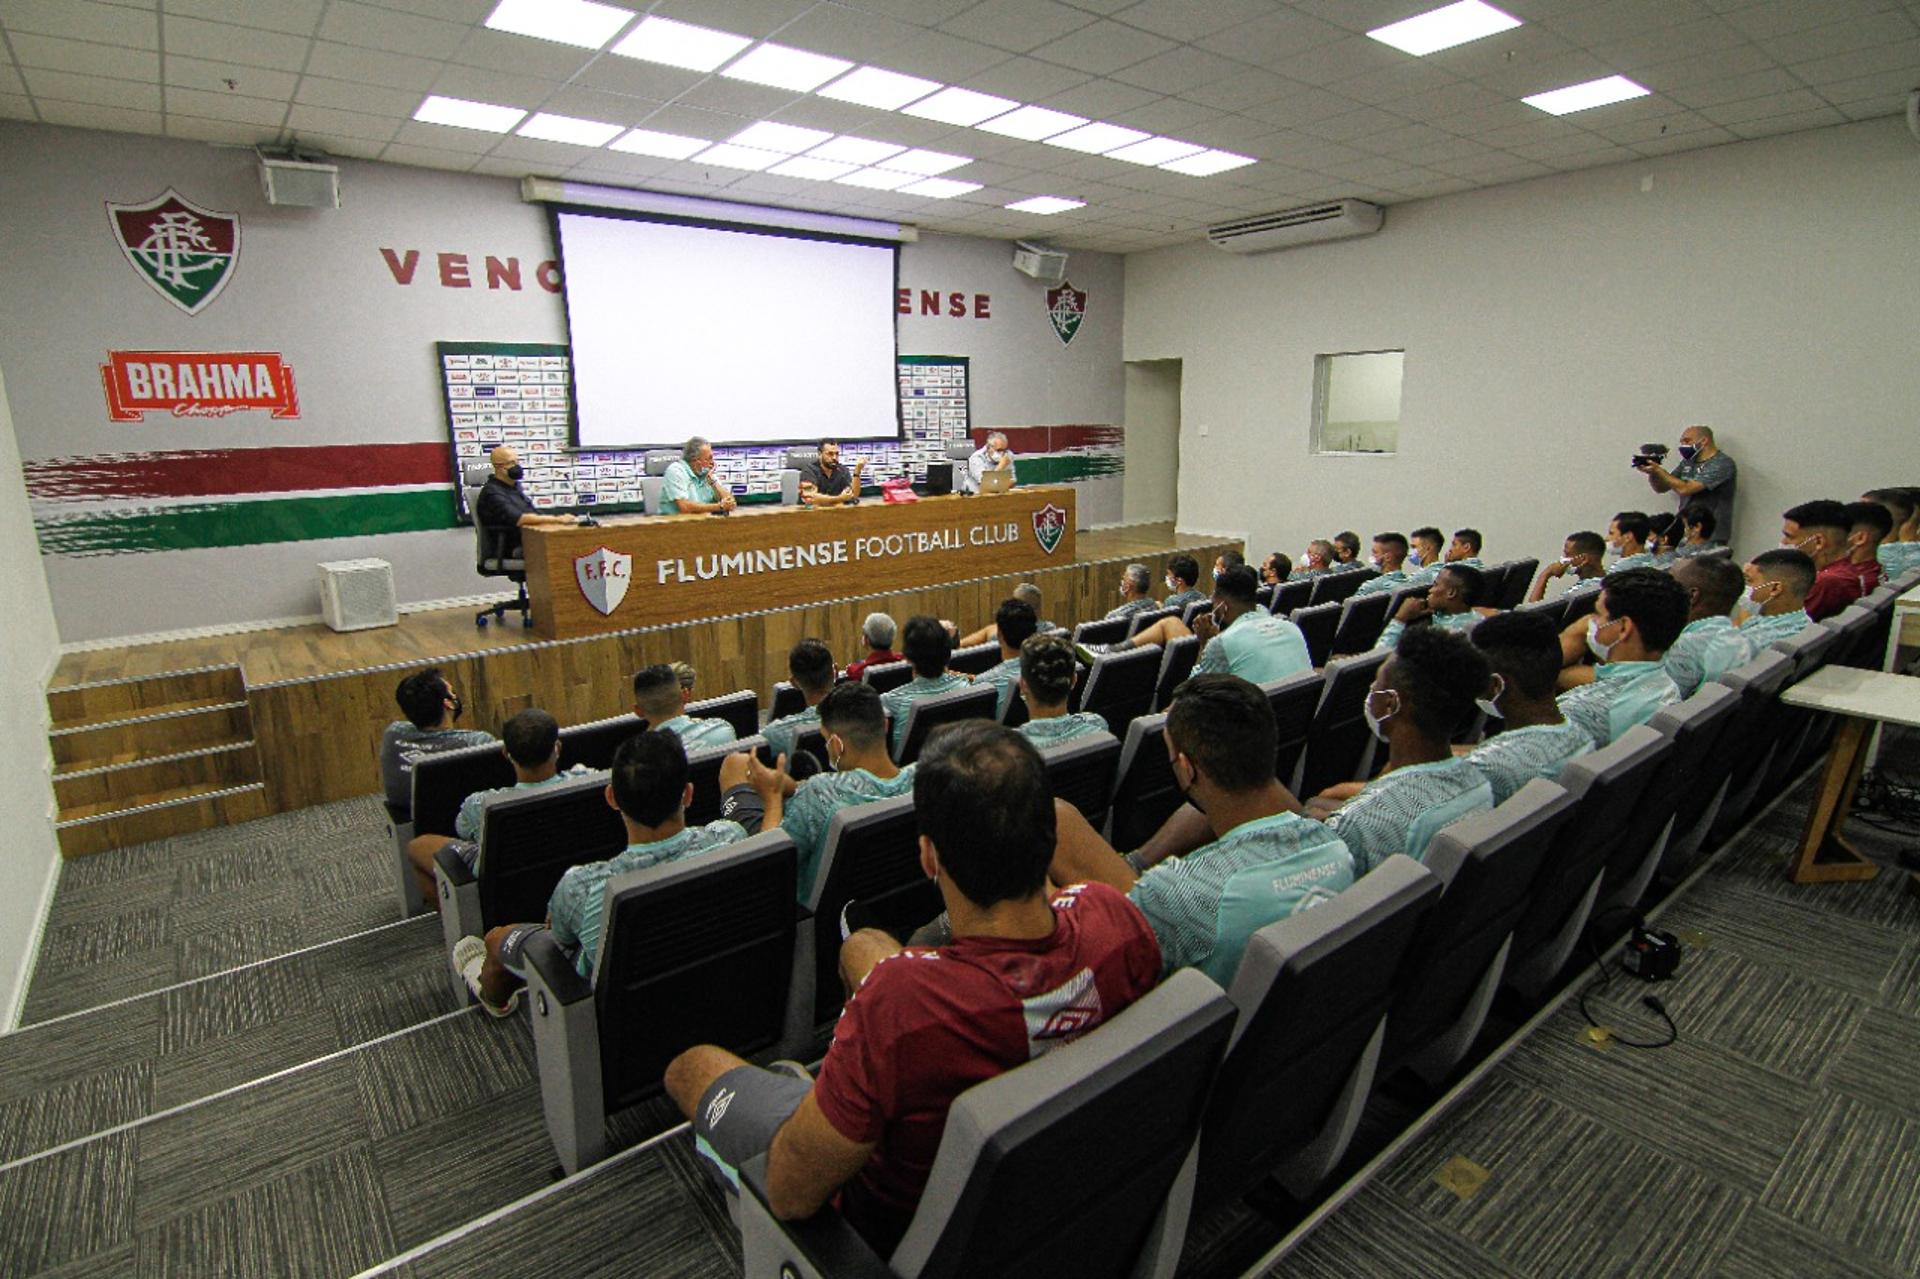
[1049, 266]
[356, 595]
[303, 184]
[1335, 220]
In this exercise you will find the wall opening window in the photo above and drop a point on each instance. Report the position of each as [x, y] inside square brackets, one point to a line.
[1356, 402]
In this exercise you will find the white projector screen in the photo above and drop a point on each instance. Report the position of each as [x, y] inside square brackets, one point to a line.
[742, 336]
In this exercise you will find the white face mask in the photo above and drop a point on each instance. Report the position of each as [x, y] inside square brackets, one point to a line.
[1594, 645]
[1752, 598]
[1170, 586]
[1490, 704]
[1376, 724]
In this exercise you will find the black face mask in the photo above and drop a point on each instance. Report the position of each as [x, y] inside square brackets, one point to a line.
[515, 471]
[458, 706]
[1187, 794]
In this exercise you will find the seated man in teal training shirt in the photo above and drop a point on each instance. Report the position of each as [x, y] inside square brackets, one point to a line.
[1237, 637]
[926, 642]
[1637, 618]
[1900, 552]
[689, 488]
[1627, 538]
[1710, 644]
[1452, 602]
[1013, 622]
[810, 666]
[1264, 861]
[657, 700]
[1390, 561]
[1775, 605]
[1535, 739]
[1047, 673]
[1421, 696]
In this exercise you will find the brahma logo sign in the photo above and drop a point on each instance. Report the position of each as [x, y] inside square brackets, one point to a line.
[604, 575]
[197, 384]
[1049, 526]
[186, 253]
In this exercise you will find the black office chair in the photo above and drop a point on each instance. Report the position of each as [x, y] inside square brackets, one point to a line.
[490, 553]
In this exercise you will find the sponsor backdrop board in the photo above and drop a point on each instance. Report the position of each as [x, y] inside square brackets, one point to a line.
[213, 395]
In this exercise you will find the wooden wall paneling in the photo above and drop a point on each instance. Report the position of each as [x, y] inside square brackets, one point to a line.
[137, 782]
[83, 837]
[144, 695]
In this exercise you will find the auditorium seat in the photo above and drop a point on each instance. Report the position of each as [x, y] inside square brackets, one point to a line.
[528, 840]
[592, 745]
[792, 462]
[653, 478]
[1861, 631]
[1312, 992]
[1109, 630]
[1799, 734]
[1362, 619]
[1141, 621]
[1144, 793]
[1176, 664]
[1317, 623]
[1700, 729]
[975, 658]
[872, 856]
[787, 700]
[1607, 787]
[1488, 863]
[1294, 700]
[1759, 683]
[976, 701]
[1578, 603]
[740, 709]
[1554, 610]
[1017, 712]
[1082, 771]
[1291, 595]
[442, 782]
[1520, 575]
[1120, 686]
[1102, 1133]
[703, 770]
[1194, 609]
[1333, 588]
[887, 676]
[672, 937]
[1339, 743]
[1263, 596]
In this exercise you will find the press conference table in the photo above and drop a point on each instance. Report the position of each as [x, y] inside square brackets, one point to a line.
[637, 571]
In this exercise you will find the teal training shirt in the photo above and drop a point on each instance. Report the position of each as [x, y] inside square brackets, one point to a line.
[1706, 650]
[1204, 907]
[682, 481]
[781, 733]
[466, 823]
[1764, 632]
[810, 809]
[1004, 676]
[578, 902]
[1463, 622]
[1401, 811]
[699, 734]
[1622, 694]
[1258, 647]
[900, 701]
[1514, 757]
[1062, 728]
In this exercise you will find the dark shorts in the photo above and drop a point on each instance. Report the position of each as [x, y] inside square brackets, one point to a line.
[743, 804]
[738, 1115]
[513, 948]
[467, 851]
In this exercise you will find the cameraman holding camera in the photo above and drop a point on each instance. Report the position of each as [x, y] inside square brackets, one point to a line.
[1705, 475]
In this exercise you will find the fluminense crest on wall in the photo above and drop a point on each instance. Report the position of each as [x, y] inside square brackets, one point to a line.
[186, 253]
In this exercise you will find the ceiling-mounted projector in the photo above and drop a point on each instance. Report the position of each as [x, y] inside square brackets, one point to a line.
[1049, 266]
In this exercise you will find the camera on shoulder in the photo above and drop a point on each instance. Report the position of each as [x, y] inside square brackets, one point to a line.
[1649, 455]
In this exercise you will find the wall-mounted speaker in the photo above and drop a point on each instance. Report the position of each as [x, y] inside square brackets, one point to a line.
[303, 184]
[1049, 266]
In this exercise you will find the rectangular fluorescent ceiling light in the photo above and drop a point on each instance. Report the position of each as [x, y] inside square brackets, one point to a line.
[878, 179]
[855, 151]
[1582, 97]
[1032, 124]
[1155, 151]
[670, 146]
[805, 166]
[927, 163]
[577, 22]
[1097, 139]
[462, 114]
[963, 107]
[779, 67]
[728, 156]
[1208, 163]
[788, 139]
[1046, 204]
[680, 44]
[566, 128]
[940, 188]
[1443, 28]
[883, 90]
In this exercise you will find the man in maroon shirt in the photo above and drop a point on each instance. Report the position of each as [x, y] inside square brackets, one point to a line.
[1022, 976]
[1823, 529]
[1868, 524]
[878, 630]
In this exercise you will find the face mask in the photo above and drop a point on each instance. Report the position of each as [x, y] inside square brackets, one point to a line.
[1594, 645]
[1376, 724]
[1182, 787]
[515, 471]
[1413, 559]
[1752, 598]
[1687, 452]
[1373, 561]
[458, 705]
[833, 760]
[1170, 586]
[1490, 704]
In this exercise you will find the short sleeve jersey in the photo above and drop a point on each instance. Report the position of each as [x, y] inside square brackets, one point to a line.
[827, 485]
[574, 910]
[1837, 585]
[682, 481]
[1258, 647]
[1062, 728]
[1462, 622]
[1720, 476]
[1401, 811]
[1706, 650]
[1897, 558]
[1512, 758]
[466, 823]
[1397, 580]
[810, 809]
[1622, 694]
[1180, 599]
[1764, 632]
[1206, 906]
[1004, 676]
[402, 746]
[926, 1025]
[1640, 559]
[500, 506]
[1145, 604]
[783, 732]
[699, 734]
[899, 702]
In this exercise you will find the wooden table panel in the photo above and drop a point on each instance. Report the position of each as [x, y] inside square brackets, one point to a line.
[680, 568]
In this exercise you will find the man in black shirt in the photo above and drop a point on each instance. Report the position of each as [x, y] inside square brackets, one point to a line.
[824, 482]
[501, 504]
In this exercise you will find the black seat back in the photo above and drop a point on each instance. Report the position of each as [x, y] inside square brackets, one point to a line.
[1554, 610]
[1703, 752]
[1750, 742]
[1294, 700]
[1578, 603]
[1854, 628]
[740, 709]
[975, 658]
[1142, 620]
[1488, 862]
[1337, 749]
[887, 676]
[872, 856]
[1105, 631]
[703, 770]
[787, 700]
[976, 701]
[1333, 588]
[1144, 793]
[1176, 663]
[1514, 589]
[1362, 619]
[1263, 596]
[675, 936]
[1193, 609]
[1318, 622]
[442, 782]
[530, 838]
[1292, 595]
[593, 745]
[1081, 772]
[1120, 686]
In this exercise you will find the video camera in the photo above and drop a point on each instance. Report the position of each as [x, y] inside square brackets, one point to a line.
[1649, 455]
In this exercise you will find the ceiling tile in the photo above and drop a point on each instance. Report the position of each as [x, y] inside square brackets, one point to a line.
[427, 157]
[1787, 123]
[1409, 139]
[1099, 99]
[1847, 66]
[1354, 124]
[1018, 26]
[1763, 21]
[82, 20]
[947, 58]
[1189, 20]
[336, 145]
[232, 107]
[83, 58]
[10, 82]
[756, 101]
[451, 10]
[1169, 116]
[848, 32]
[1553, 150]
[502, 51]
[318, 91]
[491, 86]
[1701, 68]
[1842, 37]
[1591, 159]
[1342, 60]
[372, 66]
[1592, 24]
[220, 43]
[1551, 73]
[1273, 38]
[1683, 142]
[1179, 70]
[368, 27]
[536, 151]
[1444, 186]
[220, 132]
[305, 120]
[839, 117]
[1103, 47]
[1026, 79]
[1452, 99]
[1730, 113]
[591, 104]
[1393, 84]
[92, 90]
[1843, 93]
[297, 17]
[441, 137]
[1247, 87]
[924, 12]
[257, 82]
[81, 115]
[1519, 47]
[692, 122]
[641, 79]
[1628, 132]
[1874, 107]
[1755, 85]
[1669, 43]
[617, 166]
[1302, 108]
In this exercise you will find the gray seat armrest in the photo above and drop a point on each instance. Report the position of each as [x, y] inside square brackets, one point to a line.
[566, 1043]
[447, 864]
[563, 981]
[824, 1244]
[459, 894]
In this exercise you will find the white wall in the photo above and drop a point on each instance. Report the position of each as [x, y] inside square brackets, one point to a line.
[1153, 440]
[1769, 288]
[29, 647]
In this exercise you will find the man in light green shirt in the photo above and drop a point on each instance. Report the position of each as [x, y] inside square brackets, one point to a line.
[1775, 605]
[1013, 622]
[1899, 553]
[1638, 616]
[926, 643]
[1449, 603]
[657, 700]
[1627, 537]
[1535, 739]
[810, 666]
[1390, 558]
[1465, 548]
[1237, 637]
[1047, 674]
[1709, 645]
[689, 488]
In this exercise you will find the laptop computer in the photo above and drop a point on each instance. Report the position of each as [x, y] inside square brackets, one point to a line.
[993, 482]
